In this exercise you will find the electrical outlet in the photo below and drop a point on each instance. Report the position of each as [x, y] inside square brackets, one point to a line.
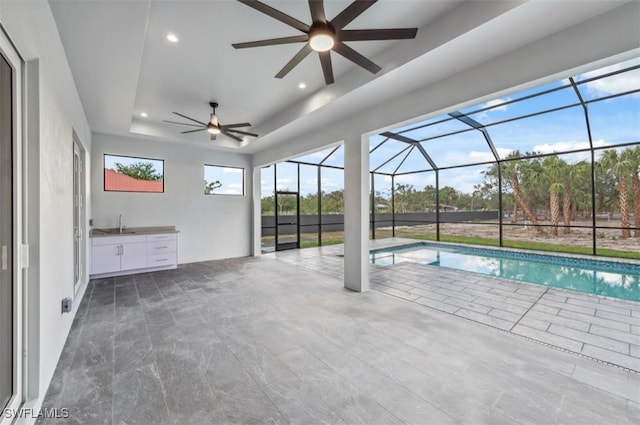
[67, 304]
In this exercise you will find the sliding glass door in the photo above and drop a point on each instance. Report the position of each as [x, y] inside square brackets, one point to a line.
[6, 235]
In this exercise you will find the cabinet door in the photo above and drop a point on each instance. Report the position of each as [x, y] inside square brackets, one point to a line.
[106, 259]
[134, 256]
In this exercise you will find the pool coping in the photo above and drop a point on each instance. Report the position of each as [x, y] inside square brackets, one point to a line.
[472, 248]
[597, 258]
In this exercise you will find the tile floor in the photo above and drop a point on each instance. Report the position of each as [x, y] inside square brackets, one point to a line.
[606, 329]
[259, 340]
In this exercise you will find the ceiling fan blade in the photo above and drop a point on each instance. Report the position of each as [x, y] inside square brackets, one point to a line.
[317, 11]
[193, 131]
[190, 119]
[239, 132]
[381, 34]
[327, 70]
[303, 53]
[181, 123]
[356, 58]
[226, 133]
[350, 13]
[272, 41]
[242, 124]
[276, 14]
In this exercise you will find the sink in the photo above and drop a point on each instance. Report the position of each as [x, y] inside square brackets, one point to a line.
[114, 231]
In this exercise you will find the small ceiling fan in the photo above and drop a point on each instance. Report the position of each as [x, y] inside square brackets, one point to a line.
[213, 126]
[323, 35]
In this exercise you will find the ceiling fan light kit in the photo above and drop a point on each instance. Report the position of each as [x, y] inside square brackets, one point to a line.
[324, 36]
[213, 127]
[322, 39]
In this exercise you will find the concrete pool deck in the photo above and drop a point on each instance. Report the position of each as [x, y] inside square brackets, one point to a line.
[601, 328]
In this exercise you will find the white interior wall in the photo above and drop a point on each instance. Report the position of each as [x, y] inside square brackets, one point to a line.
[211, 226]
[54, 113]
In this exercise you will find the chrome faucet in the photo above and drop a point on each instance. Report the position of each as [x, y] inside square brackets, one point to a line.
[120, 226]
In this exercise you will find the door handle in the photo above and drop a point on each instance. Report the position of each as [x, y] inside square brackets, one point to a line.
[4, 257]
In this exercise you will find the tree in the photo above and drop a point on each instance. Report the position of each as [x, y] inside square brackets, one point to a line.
[210, 187]
[514, 170]
[333, 202]
[634, 157]
[268, 205]
[620, 167]
[575, 175]
[140, 170]
[554, 171]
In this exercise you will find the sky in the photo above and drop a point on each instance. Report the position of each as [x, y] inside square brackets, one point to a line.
[111, 160]
[231, 178]
[612, 121]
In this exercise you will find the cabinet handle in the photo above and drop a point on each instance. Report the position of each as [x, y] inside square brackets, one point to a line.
[162, 259]
[121, 249]
[162, 247]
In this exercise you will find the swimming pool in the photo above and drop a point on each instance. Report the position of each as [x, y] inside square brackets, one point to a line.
[612, 279]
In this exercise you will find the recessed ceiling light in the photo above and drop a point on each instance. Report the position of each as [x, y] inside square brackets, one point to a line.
[172, 37]
[144, 115]
[302, 86]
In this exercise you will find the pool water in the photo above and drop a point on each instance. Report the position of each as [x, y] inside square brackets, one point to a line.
[612, 279]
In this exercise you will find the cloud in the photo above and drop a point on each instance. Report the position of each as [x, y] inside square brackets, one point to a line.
[232, 171]
[465, 179]
[475, 157]
[615, 84]
[567, 146]
[497, 104]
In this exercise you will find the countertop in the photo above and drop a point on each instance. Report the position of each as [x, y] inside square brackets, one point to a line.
[98, 233]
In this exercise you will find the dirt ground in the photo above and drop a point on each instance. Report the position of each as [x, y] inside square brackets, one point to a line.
[606, 237]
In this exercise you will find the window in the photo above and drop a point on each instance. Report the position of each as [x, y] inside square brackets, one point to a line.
[219, 180]
[131, 174]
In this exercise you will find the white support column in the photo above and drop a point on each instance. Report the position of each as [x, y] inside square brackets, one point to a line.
[356, 213]
[256, 186]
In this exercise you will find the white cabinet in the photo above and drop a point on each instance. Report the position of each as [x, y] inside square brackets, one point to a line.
[133, 256]
[162, 250]
[106, 259]
[124, 254]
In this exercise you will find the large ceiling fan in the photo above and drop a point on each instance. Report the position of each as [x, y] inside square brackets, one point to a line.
[213, 126]
[323, 35]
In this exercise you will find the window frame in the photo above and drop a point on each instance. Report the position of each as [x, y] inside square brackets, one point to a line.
[104, 180]
[244, 184]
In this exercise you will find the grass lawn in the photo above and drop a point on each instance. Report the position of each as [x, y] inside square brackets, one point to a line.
[338, 237]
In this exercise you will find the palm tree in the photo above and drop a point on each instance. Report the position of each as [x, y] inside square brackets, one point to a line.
[574, 175]
[533, 186]
[634, 155]
[553, 172]
[620, 167]
[513, 170]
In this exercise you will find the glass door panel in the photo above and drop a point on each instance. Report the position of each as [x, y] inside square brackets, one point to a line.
[6, 234]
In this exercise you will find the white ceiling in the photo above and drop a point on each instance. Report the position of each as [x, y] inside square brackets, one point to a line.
[123, 65]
